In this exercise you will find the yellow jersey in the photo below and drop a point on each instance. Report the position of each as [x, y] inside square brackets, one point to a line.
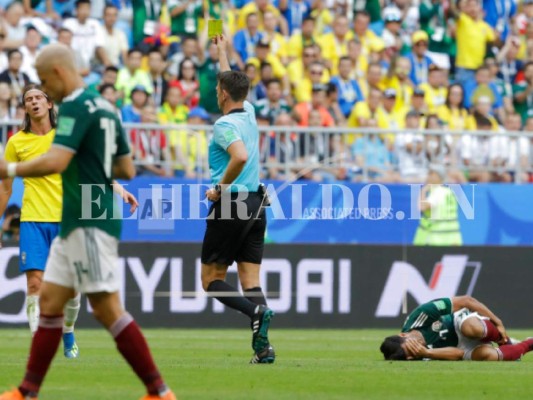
[472, 37]
[43, 196]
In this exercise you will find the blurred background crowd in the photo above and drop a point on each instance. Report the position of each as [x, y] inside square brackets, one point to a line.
[446, 66]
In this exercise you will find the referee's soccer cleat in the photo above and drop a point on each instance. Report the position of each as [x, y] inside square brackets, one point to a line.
[15, 395]
[260, 324]
[265, 356]
[70, 348]
[167, 396]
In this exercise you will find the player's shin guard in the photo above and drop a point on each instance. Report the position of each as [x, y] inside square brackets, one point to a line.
[32, 311]
[71, 310]
[490, 332]
[512, 352]
[43, 349]
[256, 296]
[133, 347]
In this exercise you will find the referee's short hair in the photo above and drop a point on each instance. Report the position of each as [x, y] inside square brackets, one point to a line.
[236, 83]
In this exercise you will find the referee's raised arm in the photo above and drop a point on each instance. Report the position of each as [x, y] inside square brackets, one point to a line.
[222, 45]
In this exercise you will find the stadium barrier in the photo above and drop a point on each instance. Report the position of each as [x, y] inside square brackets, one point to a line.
[352, 154]
[320, 286]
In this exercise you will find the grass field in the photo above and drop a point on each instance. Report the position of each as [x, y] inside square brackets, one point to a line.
[311, 364]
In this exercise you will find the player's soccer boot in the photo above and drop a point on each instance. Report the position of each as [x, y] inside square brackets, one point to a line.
[15, 395]
[265, 356]
[167, 396]
[260, 324]
[70, 348]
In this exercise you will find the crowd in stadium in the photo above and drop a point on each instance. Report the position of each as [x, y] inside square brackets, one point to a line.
[448, 65]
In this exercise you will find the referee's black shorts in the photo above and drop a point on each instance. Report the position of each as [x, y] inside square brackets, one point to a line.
[234, 239]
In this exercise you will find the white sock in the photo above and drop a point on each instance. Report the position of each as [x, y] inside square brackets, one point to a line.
[32, 311]
[72, 308]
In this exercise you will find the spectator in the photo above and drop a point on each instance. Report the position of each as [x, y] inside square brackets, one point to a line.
[109, 77]
[334, 44]
[65, 36]
[300, 40]
[501, 157]
[265, 74]
[473, 36]
[373, 160]
[88, 35]
[278, 44]
[323, 16]
[259, 7]
[156, 67]
[508, 64]
[523, 93]
[348, 89]
[408, 147]
[115, 43]
[482, 109]
[482, 86]
[294, 11]
[433, 21]
[500, 15]
[365, 35]
[436, 147]
[188, 84]
[173, 111]
[359, 63]
[392, 35]
[3, 54]
[398, 79]
[332, 105]
[30, 51]
[391, 118]
[522, 19]
[304, 72]
[410, 17]
[251, 72]
[109, 92]
[245, 40]
[474, 150]
[7, 103]
[189, 147]
[139, 100]
[14, 26]
[132, 75]
[453, 112]
[373, 79]
[435, 89]
[54, 9]
[184, 16]
[371, 108]
[303, 110]
[505, 91]
[13, 75]
[189, 49]
[418, 104]
[149, 146]
[11, 223]
[420, 61]
[146, 15]
[281, 149]
[273, 105]
[312, 149]
[262, 55]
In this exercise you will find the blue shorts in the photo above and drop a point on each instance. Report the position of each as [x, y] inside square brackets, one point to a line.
[35, 241]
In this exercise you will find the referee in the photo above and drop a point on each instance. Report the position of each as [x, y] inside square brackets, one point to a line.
[236, 223]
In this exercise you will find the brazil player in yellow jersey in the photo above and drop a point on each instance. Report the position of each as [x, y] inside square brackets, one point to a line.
[41, 208]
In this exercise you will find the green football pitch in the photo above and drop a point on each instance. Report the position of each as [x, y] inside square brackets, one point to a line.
[311, 364]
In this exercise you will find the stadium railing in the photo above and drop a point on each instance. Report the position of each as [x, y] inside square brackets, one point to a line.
[355, 154]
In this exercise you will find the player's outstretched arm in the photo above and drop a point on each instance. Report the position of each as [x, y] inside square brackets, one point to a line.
[55, 161]
[473, 304]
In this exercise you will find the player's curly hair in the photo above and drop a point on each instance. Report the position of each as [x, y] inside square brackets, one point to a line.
[392, 348]
[26, 124]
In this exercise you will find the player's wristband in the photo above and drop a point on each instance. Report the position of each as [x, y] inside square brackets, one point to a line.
[12, 170]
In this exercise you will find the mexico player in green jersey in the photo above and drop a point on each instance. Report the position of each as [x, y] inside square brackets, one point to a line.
[89, 150]
[457, 328]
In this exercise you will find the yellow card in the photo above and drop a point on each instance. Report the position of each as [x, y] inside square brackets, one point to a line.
[214, 28]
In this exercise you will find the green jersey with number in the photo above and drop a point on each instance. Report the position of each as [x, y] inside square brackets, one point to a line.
[434, 320]
[88, 127]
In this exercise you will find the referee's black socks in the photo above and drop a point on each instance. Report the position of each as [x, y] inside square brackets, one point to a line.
[231, 297]
[255, 295]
